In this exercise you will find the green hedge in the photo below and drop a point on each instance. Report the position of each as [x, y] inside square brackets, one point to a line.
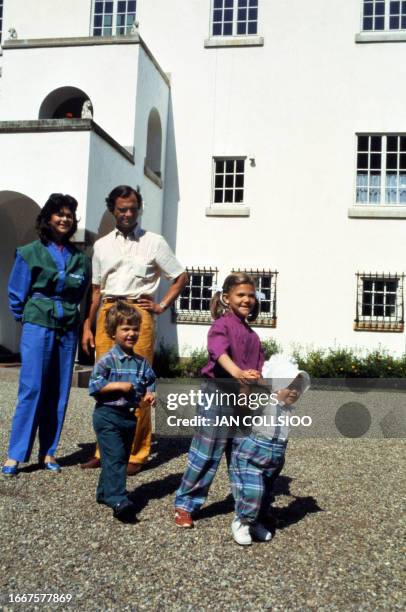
[319, 363]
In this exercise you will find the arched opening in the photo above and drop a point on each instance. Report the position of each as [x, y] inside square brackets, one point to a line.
[18, 214]
[66, 103]
[154, 143]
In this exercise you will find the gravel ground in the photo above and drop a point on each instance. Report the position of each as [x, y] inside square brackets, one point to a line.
[340, 544]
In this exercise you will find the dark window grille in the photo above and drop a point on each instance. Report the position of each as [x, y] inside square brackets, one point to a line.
[380, 304]
[193, 304]
[266, 292]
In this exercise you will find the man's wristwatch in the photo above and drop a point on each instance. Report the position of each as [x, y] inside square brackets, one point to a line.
[162, 305]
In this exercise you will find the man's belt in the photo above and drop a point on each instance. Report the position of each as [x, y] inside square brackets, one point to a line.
[111, 299]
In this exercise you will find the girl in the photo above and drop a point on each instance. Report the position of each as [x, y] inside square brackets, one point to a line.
[234, 353]
[46, 285]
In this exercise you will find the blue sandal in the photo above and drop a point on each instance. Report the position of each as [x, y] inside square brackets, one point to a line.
[9, 470]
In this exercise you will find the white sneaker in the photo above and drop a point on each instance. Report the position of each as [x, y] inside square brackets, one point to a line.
[259, 532]
[241, 532]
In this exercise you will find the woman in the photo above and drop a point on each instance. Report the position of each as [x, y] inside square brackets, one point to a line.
[46, 285]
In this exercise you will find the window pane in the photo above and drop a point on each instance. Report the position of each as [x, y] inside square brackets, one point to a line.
[216, 29]
[252, 27]
[394, 8]
[375, 160]
[362, 143]
[368, 10]
[240, 165]
[241, 28]
[131, 6]
[219, 182]
[229, 180]
[121, 6]
[98, 7]
[253, 14]
[367, 23]
[362, 160]
[218, 197]
[402, 164]
[239, 195]
[392, 143]
[228, 15]
[230, 165]
[376, 143]
[108, 7]
[242, 15]
[219, 166]
[228, 29]
[217, 15]
[380, 8]
[403, 24]
[218, 4]
[379, 23]
[394, 23]
[228, 195]
[392, 161]
[239, 180]
[228, 3]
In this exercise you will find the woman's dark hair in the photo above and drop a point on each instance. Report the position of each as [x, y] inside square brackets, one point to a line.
[120, 314]
[122, 191]
[53, 205]
[217, 305]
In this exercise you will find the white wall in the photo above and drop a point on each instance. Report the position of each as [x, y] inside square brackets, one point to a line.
[152, 92]
[296, 104]
[47, 18]
[107, 73]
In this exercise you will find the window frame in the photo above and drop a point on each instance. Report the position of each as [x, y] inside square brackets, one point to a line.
[383, 171]
[373, 322]
[235, 8]
[114, 15]
[189, 315]
[224, 204]
[387, 16]
[264, 319]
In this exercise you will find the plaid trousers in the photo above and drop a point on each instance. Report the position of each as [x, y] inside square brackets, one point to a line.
[205, 453]
[255, 464]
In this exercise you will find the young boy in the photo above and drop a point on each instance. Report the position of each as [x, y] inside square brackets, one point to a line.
[258, 459]
[119, 381]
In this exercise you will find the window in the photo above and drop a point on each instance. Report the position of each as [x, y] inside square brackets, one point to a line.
[266, 293]
[114, 17]
[379, 302]
[1, 18]
[228, 181]
[381, 15]
[154, 143]
[234, 17]
[381, 169]
[193, 304]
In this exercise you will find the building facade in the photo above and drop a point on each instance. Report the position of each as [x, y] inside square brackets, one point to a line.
[266, 136]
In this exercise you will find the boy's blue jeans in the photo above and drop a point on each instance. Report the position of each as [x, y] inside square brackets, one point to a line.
[114, 427]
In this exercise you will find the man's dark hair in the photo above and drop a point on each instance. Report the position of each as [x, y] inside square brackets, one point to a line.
[120, 314]
[122, 191]
[54, 204]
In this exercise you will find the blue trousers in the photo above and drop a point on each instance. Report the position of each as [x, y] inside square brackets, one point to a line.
[46, 374]
[115, 428]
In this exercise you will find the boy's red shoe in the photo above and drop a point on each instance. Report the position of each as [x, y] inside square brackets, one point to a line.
[183, 518]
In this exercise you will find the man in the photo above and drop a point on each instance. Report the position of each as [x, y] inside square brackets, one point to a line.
[128, 264]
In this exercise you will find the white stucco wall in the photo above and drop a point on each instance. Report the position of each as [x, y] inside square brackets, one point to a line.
[295, 104]
[152, 92]
[48, 18]
[106, 73]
